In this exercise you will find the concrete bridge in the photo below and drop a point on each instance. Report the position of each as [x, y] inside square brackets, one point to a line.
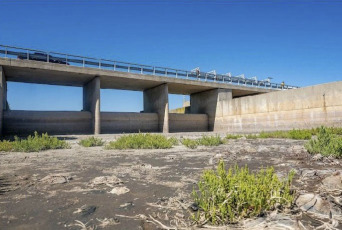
[217, 102]
[205, 90]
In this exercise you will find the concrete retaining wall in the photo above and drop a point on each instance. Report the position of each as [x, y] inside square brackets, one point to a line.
[117, 122]
[188, 122]
[19, 122]
[297, 108]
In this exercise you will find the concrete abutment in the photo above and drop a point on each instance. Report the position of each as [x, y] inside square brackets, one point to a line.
[213, 102]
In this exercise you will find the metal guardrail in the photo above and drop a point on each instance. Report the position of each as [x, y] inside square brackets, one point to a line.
[81, 61]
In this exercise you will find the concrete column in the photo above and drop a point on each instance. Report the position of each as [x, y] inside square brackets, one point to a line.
[156, 100]
[214, 103]
[3, 97]
[91, 103]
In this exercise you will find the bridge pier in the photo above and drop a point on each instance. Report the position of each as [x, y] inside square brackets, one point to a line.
[91, 103]
[156, 100]
[3, 97]
[213, 102]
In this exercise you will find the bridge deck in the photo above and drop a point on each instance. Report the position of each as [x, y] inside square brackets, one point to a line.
[29, 71]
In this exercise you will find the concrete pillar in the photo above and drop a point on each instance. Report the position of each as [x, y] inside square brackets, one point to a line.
[91, 103]
[213, 102]
[156, 100]
[3, 97]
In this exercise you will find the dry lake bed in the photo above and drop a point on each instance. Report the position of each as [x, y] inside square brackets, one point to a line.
[94, 188]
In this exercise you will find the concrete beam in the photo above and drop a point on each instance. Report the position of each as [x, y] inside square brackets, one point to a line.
[214, 103]
[3, 97]
[91, 103]
[30, 71]
[156, 100]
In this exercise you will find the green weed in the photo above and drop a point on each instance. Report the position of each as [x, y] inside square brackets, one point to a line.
[91, 142]
[251, 136]
[229, 196]
[204, 140]
[233, 136]
[6, 146]
[190, 143]
[34, 143]
[297, 134]
[141, 141]
[327, 143]
[210, 140]
[173, 140]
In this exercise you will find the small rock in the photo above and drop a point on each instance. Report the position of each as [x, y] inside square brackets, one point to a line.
[316, 204]
[263, 149]
[218, 155]
[119, 190]
[317, 157]
[105, 180]
[194, 207]
[333, 182]
[60, 178]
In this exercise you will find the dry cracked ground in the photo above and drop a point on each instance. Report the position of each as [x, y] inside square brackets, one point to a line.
[94, 188]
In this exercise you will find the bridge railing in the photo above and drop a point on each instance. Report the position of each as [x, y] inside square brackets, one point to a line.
[82, 61]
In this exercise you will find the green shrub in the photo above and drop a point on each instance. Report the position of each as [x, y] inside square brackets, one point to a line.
[327, 143]
[233, 136]
[6, 146]
[190, 143]
[297, 134]
[333, 130]
[173, 140]
[210, 140]
[300, 134]
[91, 142]
[204, 140]
[228, 196]
[251, 136]
[34, 143]
[276, 134]
[141, 141]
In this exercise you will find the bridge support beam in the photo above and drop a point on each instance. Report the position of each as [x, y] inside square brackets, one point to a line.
[156, 100]
[214, 103]
[3, 97]
[91, 103]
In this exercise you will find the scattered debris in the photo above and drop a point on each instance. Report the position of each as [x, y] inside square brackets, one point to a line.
[107, 222]
[86, 210]
[84, 226]
[127, 205]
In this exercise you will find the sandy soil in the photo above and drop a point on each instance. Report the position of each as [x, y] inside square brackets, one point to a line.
[94, 188]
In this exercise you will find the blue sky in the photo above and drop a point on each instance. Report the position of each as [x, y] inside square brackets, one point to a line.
[299, 42]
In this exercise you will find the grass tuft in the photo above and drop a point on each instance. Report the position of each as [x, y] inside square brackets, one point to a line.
[228, 196]
[251, 136]
[190, 143]
[6, 146]
[142, 141]
[91, 142]
[204, 140]
[326, 143]
[296, 134]
[233, 136]
[33, 143]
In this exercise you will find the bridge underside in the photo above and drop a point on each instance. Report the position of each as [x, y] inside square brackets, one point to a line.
[205, 100]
